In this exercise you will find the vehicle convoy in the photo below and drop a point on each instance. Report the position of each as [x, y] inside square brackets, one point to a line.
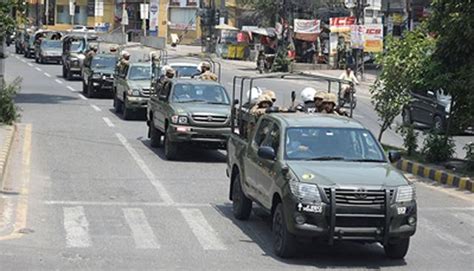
[320, 176]
[188, 112]
[49, 51]
[29, 45]
[73, 55]
[98, 75]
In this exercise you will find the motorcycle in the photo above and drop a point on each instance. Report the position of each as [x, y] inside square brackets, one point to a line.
[346, 98]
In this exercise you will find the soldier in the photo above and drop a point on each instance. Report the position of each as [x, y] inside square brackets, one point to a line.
[318, 101]
[264, 102]
[206, 73]
[123, 63]
[167, 74]
[271, 94]
[90, 54]
[329, 104]
[307, 96]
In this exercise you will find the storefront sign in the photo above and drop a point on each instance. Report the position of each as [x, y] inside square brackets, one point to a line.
[341, 24]
[144, 11]
[72, 7]
[333, 39]
[357, 36]
[153, 21]
[373, 38]
[99, 8]
[307, 26]
[184, 3]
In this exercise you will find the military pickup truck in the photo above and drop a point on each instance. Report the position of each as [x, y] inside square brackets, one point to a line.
[132, 87]
[97, 76]
[188, 111]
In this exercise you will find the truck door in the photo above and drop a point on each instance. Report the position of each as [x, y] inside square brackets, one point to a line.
[253, 163]
[267, 168]
[162, 106]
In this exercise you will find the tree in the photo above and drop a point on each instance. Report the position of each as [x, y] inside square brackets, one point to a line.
[404, 64]
[452, 22]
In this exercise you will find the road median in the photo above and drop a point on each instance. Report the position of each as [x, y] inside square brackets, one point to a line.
[6, 139]
[438, 175]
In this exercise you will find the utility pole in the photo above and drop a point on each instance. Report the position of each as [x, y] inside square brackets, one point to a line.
[359, 57]
[46, 12]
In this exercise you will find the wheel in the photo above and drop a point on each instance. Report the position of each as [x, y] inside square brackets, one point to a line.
[126, 112]
[155, 135]
[68, 75]
[241, 205]
[64, 72]
[438, 123]
[284, 243]
[84, 87]
[171, 149]
[41, 60]
[90, 90]
[397, 249]
[406, 116]
[37, 60]
[354, 102]
[117, 105]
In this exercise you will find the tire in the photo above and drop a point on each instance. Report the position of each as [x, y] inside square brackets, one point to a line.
[90, 90]
[171, 149]
[241, 205]
[354, 102]
[284, 242]
[117, 105]
[37, 60]
[64, 72]
[155, 136]
[68, 75]
[84, 87]
[398, 249]
[126, 112]
[406, 116]
[438, 123]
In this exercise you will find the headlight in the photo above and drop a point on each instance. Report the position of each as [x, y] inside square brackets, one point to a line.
[96, 76]
[305, 192]
[179, 119]
[447, 109]
[136, 92]
[405, 193]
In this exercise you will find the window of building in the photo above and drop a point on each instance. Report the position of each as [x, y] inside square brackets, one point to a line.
[63, 17]
[182, 18]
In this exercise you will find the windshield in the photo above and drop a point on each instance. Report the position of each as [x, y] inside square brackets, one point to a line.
[51, 44]
[140, 73]
[185, 71]
[187, 93]
[332, 144]
[76, 46]
[103, 62]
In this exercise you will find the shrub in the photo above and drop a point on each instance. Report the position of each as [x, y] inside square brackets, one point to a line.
[8, 109]
[437, 148]
[410, 141]
[470, 155]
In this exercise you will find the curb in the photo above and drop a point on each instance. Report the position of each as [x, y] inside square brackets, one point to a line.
[5, 150]
[439, 176]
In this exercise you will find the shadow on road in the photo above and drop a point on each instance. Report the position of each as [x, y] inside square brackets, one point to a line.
[139, 115]
[310, 253]
[37, 98]
[188, 154]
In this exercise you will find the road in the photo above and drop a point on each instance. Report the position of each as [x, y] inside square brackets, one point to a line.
[86, 191]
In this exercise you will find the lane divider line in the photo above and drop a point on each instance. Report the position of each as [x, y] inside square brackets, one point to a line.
[96, 108]
[165, 196]
[47, 74]
[30, 64]
[22, 60]
[82, 97]
[108, 122]
[58, 81]
[71, 88]
[38, 69]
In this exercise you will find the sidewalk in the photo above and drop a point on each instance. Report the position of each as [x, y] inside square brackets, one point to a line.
[6, 139]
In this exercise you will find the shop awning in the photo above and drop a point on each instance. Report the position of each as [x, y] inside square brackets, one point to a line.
[269, 32]
[226, 27]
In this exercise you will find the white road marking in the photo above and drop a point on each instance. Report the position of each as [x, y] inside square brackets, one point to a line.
[38, 69]
[141, 230]
[203, 231]
[47, 74]
[76, 227]
[165, 196]
[30, 64]
[125, 204]
[22, 60]
[96, 108]
[443, 235]
[58, 81]
[82, 96]
[469, 219]
[71, 88]
[108, 122]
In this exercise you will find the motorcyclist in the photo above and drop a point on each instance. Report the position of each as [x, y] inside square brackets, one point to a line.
[348, 75]
[307, 96]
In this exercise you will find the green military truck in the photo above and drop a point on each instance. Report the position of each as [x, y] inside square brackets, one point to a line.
[323, 177]
[188, 112]
[98, 75]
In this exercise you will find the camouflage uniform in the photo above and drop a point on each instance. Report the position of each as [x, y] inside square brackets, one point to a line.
[208, 75]
[270, 94]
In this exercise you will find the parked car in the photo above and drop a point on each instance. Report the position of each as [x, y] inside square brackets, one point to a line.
[427, 107]
[49, 51]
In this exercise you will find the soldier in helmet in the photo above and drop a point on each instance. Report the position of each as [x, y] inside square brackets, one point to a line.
[271, 94]
[318, 101]
[167, 74]
[113, 49]
[123, 63]
[264, 102]
[206, 73]
[307, 96]
[329, 104]
[90, 54]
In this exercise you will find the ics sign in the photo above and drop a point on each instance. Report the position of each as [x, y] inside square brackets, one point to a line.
[373, 39]
[341, 24]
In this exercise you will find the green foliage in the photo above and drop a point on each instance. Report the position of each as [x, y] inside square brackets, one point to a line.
[267, 9]
[7, 21]
[452, 22]
[470, 155]
[405, 63]
[8, 109]
[410, 141]
[437, 148]
[282, 62]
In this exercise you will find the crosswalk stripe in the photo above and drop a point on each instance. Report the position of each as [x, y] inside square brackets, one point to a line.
[141, 230]
[203, 231]
[76, 227]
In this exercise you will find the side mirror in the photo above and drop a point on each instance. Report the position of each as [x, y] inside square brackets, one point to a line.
[236, 101]
[394, 156]
[267, 153]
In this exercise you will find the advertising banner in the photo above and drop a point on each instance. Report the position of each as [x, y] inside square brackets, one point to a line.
[341, 24]
[72, 7]
[307, 26]
[153, 17]
[373, 40]
[357, 36]
[144, 11]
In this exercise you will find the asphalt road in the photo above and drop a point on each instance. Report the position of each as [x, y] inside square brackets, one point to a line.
[87, 192]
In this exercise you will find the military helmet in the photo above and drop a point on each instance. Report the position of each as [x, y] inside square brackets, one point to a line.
[320, 95]
[255, 94]
[205, 65]
[125, 54]
[113, 49]
[93, 47]
[330, 98]
[307, 94]
[265, 99]
[271, 94]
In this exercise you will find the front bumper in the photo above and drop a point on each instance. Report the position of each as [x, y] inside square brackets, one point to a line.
[102, 85]
[51, 58]
[137, 103]
[213, 137]
[348, 222]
